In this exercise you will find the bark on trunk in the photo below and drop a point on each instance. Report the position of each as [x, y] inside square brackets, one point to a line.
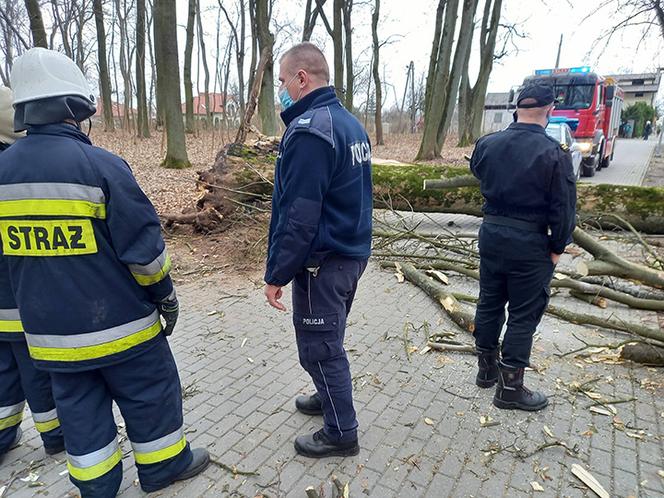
[39, 38]
[190, 126]
[266, 44]
[337, 42]
[168, 77]
[142, 119]
[378, 119]
[102, 58]
[348, 47]
[646, 354]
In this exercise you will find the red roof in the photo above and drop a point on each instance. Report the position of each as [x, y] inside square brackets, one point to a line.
[118, 109]
[217, 102]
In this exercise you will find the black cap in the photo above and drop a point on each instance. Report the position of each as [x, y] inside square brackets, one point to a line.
[540, 91]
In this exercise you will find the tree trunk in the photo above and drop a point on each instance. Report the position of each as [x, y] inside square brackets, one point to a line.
[435, 107]
[124, 62]
[337, 42]
[104, 77]
[190, 126]
[376, 75]
[36, 23]
[642, 207]
[254, 44]
[460, 56]
[348, 44]
[168, 78]
[142, 120]
[266, 44]
[471, 128]
[253, 97]
[206, 69]
[646, 354]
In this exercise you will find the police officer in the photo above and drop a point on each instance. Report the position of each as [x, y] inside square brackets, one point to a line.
[19, 379]
[529, 187]
[320, 238]
[89, 271]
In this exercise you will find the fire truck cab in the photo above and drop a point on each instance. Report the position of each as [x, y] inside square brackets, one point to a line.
[591, 106]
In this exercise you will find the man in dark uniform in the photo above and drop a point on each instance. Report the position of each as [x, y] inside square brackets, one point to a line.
[320, 238]
[529, 187]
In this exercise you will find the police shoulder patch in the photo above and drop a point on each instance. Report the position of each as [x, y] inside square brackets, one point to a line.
[564, 147]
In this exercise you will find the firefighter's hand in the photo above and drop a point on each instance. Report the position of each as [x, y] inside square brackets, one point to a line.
[169, 311]
[273, 294]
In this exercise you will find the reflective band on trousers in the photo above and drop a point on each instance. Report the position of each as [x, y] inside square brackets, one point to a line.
[95, 464]
[11, 415]
[52, 199]
[152, 272]
[46, 421]
[10, 321]
[160, 449]
[94, 345]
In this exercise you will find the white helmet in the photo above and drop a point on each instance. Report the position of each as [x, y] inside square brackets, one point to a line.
[7, 135]
[40, 74]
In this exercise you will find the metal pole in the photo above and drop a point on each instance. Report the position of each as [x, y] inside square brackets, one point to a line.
[560, 46]
[658, 149]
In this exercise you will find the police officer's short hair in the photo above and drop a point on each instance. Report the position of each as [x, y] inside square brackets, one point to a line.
[309, 57]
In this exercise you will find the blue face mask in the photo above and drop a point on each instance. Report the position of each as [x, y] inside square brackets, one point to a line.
[284, 97]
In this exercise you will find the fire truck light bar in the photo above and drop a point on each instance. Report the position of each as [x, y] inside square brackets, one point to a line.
[547, 72]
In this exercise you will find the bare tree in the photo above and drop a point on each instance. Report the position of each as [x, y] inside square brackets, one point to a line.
[266, 44]
[376, 75]
[643, 15]
[311, 14]
[337, 42]
[102, 60]
[472, 98]
[443, 80]
[348, 54]
[126, 55]
[206, 70]
[239, 39]
[142, 119]
[190, 127]
[36, 23]
[168, 82]
[14, 39]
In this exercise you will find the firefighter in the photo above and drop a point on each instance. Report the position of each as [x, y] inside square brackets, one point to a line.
[320, 239]
[90, 274]
[19, 379]
[529, 187]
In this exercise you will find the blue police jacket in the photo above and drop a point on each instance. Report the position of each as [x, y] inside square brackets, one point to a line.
[525, 174]
[322, 199]
[86, 258]
[10, 321]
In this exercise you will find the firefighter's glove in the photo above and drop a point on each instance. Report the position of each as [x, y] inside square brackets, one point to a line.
[169, 310]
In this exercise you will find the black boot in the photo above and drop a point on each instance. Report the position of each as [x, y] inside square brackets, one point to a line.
[199, 462]
[309, 405]
[317, 445]
[56, 448]
[511, 394]
[487, 362]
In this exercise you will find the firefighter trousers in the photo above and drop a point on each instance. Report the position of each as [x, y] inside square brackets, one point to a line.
[147, 391]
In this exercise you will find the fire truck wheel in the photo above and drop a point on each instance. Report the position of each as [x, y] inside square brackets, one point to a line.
[588, 167]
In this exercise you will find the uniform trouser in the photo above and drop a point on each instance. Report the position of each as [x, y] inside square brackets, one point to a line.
[524, 286]
[147, 390]
[20, 380]
[321, 303]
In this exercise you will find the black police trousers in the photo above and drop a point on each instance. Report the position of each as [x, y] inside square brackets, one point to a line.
[321, 303]
[515, 270]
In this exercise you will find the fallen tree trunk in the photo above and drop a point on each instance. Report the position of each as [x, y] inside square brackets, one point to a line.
[641, 207]
[609, 263]
[449, 303]
[643, 353]
[624, 287]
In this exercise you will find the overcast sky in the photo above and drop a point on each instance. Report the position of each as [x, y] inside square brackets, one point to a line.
[409, 24]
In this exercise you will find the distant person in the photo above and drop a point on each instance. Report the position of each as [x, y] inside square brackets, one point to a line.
[628, 130]
[647, 130]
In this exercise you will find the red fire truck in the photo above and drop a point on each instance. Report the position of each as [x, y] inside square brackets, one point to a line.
[591, 106]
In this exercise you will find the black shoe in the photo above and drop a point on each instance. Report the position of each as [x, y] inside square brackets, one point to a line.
[487, 363]
[199, 462]
[511, 394]
[309, 405]
[317, 445]
[56, 448]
